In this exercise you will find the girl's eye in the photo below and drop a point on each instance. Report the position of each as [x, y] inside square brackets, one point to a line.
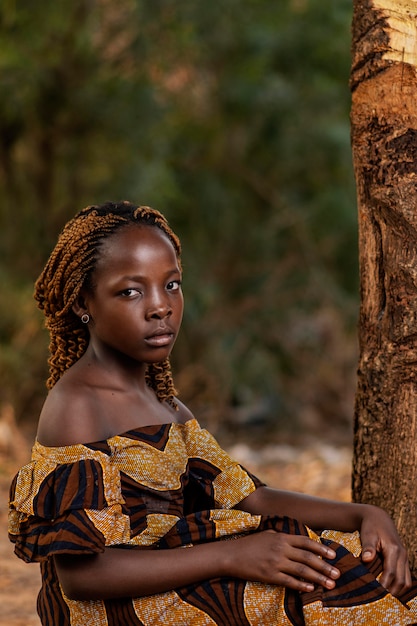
[174, 285]
[128, 293]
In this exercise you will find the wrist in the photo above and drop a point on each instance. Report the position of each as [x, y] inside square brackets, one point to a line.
[366, 512]
[227, 559]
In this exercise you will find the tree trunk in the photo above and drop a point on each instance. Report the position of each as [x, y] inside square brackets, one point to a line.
[384, 141]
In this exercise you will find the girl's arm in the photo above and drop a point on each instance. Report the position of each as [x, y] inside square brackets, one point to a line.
[378, 533]
[317, 513]
[276, 558]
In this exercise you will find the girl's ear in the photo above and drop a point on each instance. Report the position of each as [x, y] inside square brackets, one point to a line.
[80, 307]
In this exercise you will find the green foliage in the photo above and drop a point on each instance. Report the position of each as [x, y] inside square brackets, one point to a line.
[22, 347]
[233, 119]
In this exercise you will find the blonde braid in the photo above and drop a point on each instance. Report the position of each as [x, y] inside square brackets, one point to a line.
[69, 269]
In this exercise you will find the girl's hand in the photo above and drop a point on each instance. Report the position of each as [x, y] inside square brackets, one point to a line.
[277, 558]
[378, 534]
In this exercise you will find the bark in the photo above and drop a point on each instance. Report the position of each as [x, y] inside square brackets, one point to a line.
[384, 142]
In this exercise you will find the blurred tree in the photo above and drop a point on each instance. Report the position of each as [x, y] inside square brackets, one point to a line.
[384, 130]
[230, 117]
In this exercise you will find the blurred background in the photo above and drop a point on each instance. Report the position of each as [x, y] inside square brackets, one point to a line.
[232, 118]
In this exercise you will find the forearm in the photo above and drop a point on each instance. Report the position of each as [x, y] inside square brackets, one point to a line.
[268, 556]
[119, 572]
[317, 513]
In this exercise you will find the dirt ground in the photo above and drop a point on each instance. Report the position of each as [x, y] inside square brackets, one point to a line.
[316, 469]
[19, 582]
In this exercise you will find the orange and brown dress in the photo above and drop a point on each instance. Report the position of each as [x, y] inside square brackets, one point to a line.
[167, 486]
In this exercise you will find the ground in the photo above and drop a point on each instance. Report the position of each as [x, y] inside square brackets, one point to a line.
[313, 468]
[19, 582]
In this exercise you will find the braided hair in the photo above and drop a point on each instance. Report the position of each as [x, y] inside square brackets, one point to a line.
[69, 269]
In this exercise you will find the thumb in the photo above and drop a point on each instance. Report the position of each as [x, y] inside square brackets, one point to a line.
[370, 542]
[368, 553]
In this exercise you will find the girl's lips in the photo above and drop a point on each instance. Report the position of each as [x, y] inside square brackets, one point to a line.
[160, 340]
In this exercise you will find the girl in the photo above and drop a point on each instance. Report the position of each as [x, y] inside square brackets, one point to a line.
[129, 506]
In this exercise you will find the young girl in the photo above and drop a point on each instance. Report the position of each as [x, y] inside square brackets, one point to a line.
[130, 507]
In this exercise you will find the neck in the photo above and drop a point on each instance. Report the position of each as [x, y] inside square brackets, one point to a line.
[113, 370]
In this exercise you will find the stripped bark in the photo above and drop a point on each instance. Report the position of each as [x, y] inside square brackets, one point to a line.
[384, 142]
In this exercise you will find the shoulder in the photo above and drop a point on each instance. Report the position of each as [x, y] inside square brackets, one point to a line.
[184, 414]
[69, 415]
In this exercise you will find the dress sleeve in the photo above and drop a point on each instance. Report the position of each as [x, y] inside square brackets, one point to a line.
[224, 481]
[66, 501]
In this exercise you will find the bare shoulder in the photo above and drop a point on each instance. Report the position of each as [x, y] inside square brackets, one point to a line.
[68, 416]
[184, 413]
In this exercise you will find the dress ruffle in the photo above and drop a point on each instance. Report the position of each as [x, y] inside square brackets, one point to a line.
[51, 511]
[128, 490]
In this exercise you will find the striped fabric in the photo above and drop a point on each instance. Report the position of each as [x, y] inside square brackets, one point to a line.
[163, 487]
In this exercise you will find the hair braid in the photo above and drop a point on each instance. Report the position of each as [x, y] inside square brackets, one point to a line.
[69, 269]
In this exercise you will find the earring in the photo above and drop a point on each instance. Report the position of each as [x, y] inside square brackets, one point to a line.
[85, 318]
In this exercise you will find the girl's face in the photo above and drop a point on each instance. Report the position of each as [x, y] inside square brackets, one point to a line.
[136, 301]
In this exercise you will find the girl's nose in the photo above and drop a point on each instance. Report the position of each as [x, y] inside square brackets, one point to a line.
[162, 312]
[159, 309]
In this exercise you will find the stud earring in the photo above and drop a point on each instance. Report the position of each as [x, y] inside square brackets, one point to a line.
[85, 318]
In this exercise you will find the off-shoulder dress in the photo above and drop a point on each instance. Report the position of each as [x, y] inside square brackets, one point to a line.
[168, 486]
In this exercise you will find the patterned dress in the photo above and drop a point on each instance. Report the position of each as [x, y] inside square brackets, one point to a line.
[169, 486]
